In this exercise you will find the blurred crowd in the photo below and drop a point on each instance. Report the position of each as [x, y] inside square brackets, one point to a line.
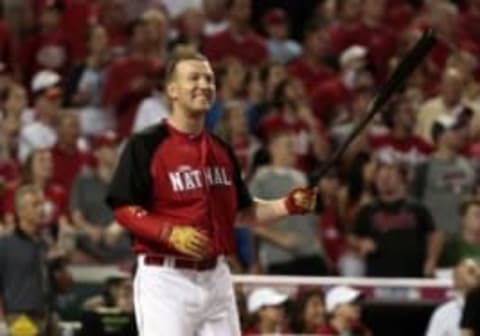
[77, 77]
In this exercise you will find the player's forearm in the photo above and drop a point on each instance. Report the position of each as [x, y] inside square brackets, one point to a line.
[264, 212]
[141, 223]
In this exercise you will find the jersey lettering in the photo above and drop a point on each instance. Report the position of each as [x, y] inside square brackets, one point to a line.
[192, 179]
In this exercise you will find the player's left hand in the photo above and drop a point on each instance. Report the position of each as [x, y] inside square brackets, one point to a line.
[300, 201]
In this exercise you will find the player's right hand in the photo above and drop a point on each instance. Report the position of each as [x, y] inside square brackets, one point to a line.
[189, 241]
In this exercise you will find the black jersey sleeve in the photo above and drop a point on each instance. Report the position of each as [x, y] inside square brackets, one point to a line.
[471, 311]
[132, 182]
[243, 194]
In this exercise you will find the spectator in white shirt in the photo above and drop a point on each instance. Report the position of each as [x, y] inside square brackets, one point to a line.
[445, 320]
[48, 99]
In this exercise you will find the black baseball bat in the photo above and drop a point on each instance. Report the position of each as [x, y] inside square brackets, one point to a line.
[414, 57]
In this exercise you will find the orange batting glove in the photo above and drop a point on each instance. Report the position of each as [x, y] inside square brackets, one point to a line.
[300, 201]
[187, 240]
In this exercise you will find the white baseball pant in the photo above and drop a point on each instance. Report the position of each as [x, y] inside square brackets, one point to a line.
[180, 302]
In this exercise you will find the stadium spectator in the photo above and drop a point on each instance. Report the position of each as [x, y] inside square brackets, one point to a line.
[85, 83]
[116, 296]
[113, 15]
[15, 113]
[101, 239]
[68, 156]
[344, 309]
[216, 17]
[25, 286]
[239, 40]
[400, 143]
[448, 102]
[154, 108]
[308, 312]
[49, 47]
[280, 48]
[470, 320]
[265, 306]
[190, 27]
[127, 79]
[310, 67]
[331, 229]
[292, 111]
[446, 177]
[289, 246]
[465, 244]
[47, 103]
[384, 227]
[376, 35]
[445, 320]
[341, 32]
[231, 78]
[233, 129]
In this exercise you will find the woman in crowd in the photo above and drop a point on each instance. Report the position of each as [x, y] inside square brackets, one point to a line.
[309, 312]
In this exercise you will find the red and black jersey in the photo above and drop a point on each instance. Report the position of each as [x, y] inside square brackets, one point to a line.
[185, 180]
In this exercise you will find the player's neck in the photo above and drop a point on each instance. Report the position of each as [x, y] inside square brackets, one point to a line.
[185, 124]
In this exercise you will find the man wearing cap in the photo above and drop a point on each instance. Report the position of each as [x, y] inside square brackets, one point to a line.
[447, 177]
[343, 307]
[265, 305]
[101, 239]
[47, 102]
[280, 48]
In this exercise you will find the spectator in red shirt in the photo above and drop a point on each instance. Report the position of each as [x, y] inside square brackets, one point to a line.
[400, 143]
[216, 13]
[265, 305]
[48, 48]
[374, 34]
[68, 159]
[128, 80]
[341, 33]
[343, 304]
[38, 170]
[469, 26]
[239, 40]
[77, 17]
[293, 112]
[310, 68]
[112, 15]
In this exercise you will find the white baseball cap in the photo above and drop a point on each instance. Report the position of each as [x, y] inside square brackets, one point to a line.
[44, 79]
[262, 297]
[340, 295]
[353, 53]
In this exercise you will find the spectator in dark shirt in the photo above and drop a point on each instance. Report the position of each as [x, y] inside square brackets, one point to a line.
[395, 235]
[25, 286]
[470, 322]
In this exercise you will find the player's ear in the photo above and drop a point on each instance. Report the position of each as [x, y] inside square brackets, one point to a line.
[172, 90]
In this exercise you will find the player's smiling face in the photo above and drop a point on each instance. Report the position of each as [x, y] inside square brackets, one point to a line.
[193, 87]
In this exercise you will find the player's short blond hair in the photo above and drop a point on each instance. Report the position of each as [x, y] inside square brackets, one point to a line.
[182, 54]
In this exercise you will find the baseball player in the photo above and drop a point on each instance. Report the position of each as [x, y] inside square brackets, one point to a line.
[178, 190]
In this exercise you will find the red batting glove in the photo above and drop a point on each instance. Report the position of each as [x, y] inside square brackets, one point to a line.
[300, 201]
